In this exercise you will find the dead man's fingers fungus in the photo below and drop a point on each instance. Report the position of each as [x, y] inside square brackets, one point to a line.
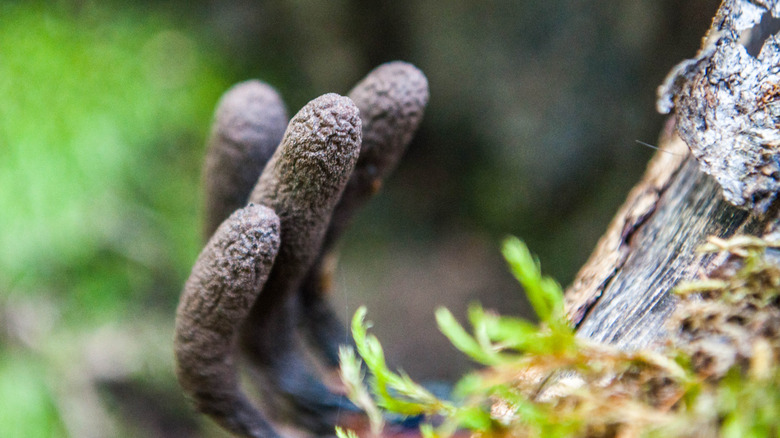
[248, 125]
[225, 281]
[260, 282]
[392, 100]
[302, 183]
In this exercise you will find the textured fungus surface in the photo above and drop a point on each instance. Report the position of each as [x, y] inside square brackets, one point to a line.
[248, 125]
[302, 183]
[305, 183]
[391, 100]
[224, 283]
[305, 178]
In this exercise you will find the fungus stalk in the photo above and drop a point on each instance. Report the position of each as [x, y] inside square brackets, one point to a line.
[224, 282]
[248, 125]
[302, 183]
[391, 100]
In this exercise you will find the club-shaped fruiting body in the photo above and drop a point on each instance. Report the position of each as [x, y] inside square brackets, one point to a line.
[224, 283]
[391, 99]
[311, 184]
[248, 125]
[302, 183]
[307, 174]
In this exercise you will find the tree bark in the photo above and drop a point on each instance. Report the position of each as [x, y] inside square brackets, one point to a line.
[622, 294]
[720, 181]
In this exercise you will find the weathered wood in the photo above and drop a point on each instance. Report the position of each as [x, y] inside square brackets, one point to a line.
[622, 294]
[727, 102]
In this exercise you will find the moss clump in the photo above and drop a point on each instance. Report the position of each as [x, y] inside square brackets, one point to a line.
[728, 318]
[542, 380]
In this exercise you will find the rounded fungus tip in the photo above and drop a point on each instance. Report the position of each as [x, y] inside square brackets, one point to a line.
[249, 112]
[315, 158]
[392, 99]
[224, 283]
[249, 123]
[327, 122]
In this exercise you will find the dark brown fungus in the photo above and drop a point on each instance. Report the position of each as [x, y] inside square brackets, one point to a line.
[391, 100]
[238, 298]
[302, 183]
[248, 125]
[225, 281]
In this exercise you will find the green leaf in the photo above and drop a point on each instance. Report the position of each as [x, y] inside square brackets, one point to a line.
[464, 342]
[544, 293]
[396, 392]
[474, 418]
[427, 431]
[348, 433]
[352, 376]
[468, 385]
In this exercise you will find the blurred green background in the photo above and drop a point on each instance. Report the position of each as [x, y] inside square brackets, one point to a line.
[534, 112]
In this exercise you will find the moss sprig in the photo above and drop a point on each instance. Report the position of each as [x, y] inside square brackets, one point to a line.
[539, 379]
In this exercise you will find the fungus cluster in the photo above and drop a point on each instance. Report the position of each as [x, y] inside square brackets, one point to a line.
[279, 195]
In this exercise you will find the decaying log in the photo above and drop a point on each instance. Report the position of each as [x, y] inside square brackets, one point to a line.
[716, 175]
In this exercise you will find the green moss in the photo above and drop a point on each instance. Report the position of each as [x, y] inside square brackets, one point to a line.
[540, 380]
